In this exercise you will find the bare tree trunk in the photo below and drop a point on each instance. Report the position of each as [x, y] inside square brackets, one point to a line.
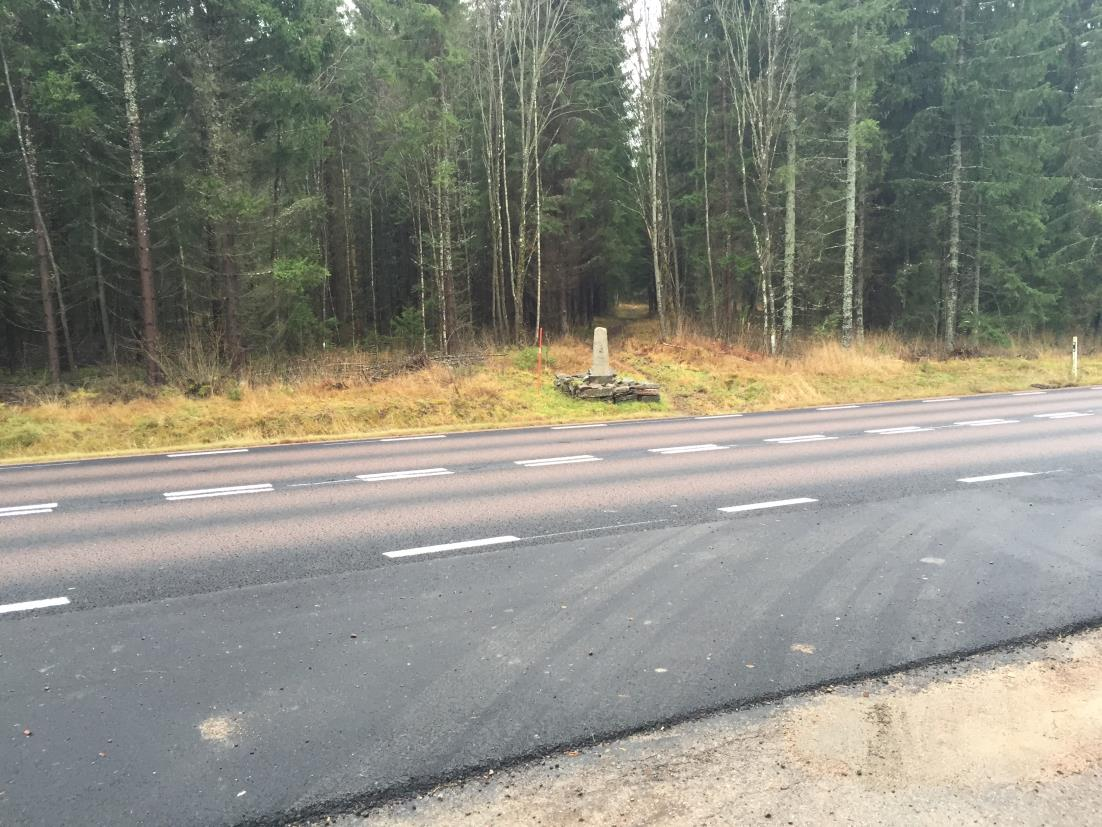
[851, 210]
[47, 302]
[859, 266]
[789, 231]
[101, 288]
[952, 288]
[979, 251]
[231, 285]
[708, 215]
[47, 267]
[371, 264]
[141, 210]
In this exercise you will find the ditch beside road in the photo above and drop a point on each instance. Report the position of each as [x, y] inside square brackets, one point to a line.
[1011, 737]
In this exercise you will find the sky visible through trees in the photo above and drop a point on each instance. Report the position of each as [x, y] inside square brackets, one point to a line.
[251, 177]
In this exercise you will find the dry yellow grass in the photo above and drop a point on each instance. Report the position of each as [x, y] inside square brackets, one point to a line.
[698, 376]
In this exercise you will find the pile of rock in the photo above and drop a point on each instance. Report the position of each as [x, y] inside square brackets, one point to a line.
[601, 383]
[616, 390]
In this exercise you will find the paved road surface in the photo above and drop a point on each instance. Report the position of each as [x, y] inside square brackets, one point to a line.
[242, 636]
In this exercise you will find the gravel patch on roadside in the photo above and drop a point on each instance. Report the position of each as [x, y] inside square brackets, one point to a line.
[1005, 737]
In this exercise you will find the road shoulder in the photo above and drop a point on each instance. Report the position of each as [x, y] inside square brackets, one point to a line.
[1006, 736]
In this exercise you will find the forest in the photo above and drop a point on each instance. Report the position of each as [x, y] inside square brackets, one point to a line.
[271, 177]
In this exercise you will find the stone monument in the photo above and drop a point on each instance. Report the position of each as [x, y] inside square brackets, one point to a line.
[601, 381]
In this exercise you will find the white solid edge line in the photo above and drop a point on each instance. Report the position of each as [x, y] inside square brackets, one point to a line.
[411, 438]
[399, 475]
[772, 504]
[15, 509]
[30, 605]
[208, 453]
[1029, 393]
[719, 416]
[837, 407]
[489, 541]
[561, 462]
[1007, 476]
[575, 427]
[943, 399]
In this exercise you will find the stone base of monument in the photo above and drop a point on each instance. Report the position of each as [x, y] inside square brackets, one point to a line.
[601, 383]
[607, 388]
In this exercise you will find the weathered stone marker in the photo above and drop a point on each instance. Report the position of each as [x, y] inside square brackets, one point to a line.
[600, 370]
[601, 382]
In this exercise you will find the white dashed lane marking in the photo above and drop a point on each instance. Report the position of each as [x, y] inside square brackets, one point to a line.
[405, 475]
[1010, 475]
[905, 429]
[1061, 415]
[734, 509]
[23, 510]
[790, 440]
[542, 463]
[228, 491]
[31, 605]
[208, 453]
[689, 449]
[413, 552]
[980, 423]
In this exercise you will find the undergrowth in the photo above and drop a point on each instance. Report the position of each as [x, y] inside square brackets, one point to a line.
[338, 393]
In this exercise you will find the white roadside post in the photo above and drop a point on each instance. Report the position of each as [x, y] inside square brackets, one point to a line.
[1075, 358]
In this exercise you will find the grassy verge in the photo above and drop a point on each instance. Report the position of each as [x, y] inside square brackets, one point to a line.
[109, 415]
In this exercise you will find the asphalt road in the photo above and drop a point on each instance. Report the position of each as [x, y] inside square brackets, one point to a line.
[279, 631]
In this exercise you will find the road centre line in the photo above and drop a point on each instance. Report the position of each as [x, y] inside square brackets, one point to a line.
[980, 423]
[542, 463]
[31, 605]
[21, 510]
[578, 427]
[790, 440]
[404, 475]
[905, 429]
[208, 453]
[837, 407]
[689, 449]
[489, 541]
[1007, 476]
[228, 491]
[733, 509]
[412, 438]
